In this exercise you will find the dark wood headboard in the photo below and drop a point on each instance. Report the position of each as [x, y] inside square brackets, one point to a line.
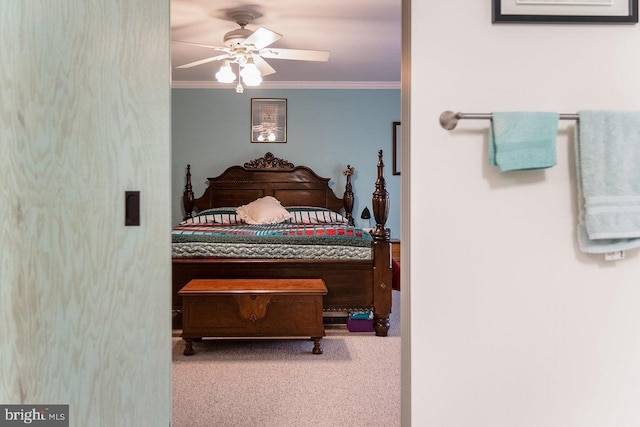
[269, 176]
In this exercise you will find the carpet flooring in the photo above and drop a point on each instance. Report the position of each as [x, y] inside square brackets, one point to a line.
[279, 383]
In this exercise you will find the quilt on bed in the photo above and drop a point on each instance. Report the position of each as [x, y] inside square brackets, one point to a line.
[307, 234]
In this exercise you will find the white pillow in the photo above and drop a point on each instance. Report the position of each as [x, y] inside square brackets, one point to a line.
[266, 210]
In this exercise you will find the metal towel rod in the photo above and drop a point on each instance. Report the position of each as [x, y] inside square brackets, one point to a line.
[449, 119]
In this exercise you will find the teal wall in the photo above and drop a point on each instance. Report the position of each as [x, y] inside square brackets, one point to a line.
[327, 129]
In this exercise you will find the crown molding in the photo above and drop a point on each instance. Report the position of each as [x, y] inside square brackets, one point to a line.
[287, 85]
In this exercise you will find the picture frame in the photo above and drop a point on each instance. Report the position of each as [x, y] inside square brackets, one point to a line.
[565, 11]
[396, 140]
[268, 120]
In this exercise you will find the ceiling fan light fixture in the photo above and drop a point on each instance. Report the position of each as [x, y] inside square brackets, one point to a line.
[225, 74]
[250, 74]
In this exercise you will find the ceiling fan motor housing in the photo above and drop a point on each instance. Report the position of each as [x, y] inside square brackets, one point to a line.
[235, 38]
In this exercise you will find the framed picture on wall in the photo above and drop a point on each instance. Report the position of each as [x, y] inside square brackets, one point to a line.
[396, 138]
[565, 11]
[268, 120]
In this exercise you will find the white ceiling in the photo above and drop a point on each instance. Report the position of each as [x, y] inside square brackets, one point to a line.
[363, 36]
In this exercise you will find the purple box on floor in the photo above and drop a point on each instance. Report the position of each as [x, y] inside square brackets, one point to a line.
[359, 325]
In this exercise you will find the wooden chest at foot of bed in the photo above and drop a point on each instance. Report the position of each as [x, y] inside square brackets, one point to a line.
[252, 308]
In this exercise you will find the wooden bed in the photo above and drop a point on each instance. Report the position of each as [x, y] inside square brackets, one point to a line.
[352, 284]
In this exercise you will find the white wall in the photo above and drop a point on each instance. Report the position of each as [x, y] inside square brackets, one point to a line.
[84, 300]
[511, 324]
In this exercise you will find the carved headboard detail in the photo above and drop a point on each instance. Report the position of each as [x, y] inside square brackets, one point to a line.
[269, 161]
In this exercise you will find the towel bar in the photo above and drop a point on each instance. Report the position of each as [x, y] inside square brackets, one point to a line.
[449, 119]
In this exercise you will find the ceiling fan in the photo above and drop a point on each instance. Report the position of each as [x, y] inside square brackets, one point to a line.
[248, 49]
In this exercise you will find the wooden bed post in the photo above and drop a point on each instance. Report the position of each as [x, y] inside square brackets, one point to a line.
[187, 196]
[348, 195]
[382, 272]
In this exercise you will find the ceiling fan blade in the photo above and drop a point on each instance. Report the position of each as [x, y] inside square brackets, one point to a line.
[208, 46]
[263, 66]
[262, 38]
[296, 54]
[204, 61]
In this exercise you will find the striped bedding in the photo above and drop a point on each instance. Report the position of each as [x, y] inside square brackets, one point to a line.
[309, 234]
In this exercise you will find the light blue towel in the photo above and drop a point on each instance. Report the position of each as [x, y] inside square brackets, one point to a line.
[607, 150]
[523, 140]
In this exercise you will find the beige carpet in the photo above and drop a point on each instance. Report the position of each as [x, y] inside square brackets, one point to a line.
[279, 383]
